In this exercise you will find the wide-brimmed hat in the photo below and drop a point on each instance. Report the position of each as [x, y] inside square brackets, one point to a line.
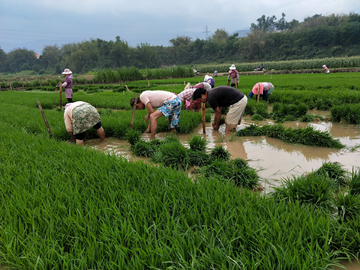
[66, 71]
[232, 67]
[256, 87]
[207, 77]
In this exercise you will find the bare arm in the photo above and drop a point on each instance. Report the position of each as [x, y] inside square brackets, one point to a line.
[217, 118]
[150, 110]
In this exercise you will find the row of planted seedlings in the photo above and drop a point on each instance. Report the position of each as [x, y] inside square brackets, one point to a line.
[116, 123]
[334, 62]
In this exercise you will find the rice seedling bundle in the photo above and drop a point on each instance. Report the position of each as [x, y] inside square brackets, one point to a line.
[306, 136]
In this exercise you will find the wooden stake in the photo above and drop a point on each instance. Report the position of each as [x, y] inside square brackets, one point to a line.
[127, 88]
[60, 95]
[133, 113]
[236, 83]
[203, 115]
[148, 83]
[43, 115]
[258, 97]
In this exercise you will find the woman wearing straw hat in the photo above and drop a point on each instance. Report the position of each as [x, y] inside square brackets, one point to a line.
[265, 88]
[68, 84]
[234, 75]
[79, 117]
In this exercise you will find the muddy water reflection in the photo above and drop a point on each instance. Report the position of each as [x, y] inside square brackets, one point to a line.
[273, 158]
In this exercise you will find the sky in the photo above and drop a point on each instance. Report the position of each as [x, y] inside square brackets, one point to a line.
[34, 24]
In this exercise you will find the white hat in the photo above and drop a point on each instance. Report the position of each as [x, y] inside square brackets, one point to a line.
[232, 67]
[207, 77]
[66, 71]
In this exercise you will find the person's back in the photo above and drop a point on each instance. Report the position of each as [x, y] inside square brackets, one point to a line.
[224, 96]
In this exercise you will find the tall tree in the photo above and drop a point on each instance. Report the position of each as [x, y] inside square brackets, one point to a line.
[19, 58]
[2, 60]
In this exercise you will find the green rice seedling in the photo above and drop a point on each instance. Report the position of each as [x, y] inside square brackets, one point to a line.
[346, 113]
[245, 177]
[348, 206]
[306, 189]
[207, 117]
[174, 155]
[306, 136]
[279, 120]
[218, 169]
[171, 139]
[133, 136]
[307, 118]
[354, 183]
[335, 172]
[143, 149]
[198, 158]
[261, 108]
[197, 143]
[238, 163]
[219, 153]
[290, 118]
[257, 117]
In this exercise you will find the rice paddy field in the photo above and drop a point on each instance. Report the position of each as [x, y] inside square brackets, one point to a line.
[280, 193]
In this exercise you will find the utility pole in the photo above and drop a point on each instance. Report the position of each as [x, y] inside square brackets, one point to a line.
[206, 32]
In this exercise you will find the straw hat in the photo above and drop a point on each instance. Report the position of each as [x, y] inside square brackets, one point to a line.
[232, 67]
[66, 71]
[255, 89]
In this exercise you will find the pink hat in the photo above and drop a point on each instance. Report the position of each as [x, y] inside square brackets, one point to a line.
[255, 88]
[66, 71]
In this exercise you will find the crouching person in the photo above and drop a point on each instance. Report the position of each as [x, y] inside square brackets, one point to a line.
[168, 104]
[79, 117]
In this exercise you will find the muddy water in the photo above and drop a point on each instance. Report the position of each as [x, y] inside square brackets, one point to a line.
[275, 159]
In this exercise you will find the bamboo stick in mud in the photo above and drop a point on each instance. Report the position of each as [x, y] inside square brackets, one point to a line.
[60, 95]
[133, 113]
[203, 116]
[43, 115]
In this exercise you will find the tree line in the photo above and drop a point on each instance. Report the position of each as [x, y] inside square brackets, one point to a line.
[270, 39]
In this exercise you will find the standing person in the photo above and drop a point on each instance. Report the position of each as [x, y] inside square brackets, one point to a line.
[186, 96]
[168, 104]
[215, 73]
[79, 117]
[234, 75]
[209, 80]
[224, 96]
[68, 84]
[266, 89]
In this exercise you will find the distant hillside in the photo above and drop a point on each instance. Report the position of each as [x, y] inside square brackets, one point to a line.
[242, 33]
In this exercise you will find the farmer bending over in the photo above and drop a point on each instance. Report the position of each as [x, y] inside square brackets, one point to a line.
[224, 96]
[266, 89]
[187, 94]
[168, 104]
[79, 117]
